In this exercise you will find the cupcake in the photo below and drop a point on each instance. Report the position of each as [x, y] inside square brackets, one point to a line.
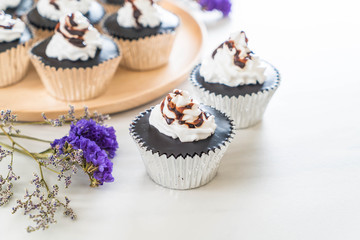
[76, 63]
[44, 17]
[112, 6]
[15, 38]
[145, 32]
[16, 7]
[181, 142]
[234, 81]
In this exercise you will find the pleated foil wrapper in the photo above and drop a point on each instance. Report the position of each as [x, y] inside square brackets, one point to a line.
[147, 53]
[245, 111]
[76, 84]
[181, 172]
[14, 64]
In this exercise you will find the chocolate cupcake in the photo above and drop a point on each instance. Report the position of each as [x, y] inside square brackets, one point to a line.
[15, 39]
[145, 32]
[16, 8]
[77, 63]
[44, 17]
[111, 6]
[234, 81]
[181, 142]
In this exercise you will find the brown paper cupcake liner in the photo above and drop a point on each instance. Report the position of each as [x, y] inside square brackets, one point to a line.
[76, 84]
[14, 63]
[147, 53]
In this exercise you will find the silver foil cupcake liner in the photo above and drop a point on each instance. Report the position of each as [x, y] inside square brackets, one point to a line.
[245, 111]
[182, 172]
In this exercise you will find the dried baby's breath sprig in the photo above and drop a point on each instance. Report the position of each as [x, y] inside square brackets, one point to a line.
[4, 153]
[42, 204]
[7, 119]
[67, 161]
[6, 184]
[88, 146]
[71, 118]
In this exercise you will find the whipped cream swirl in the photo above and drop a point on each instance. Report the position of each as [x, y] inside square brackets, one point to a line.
[233, 64]
[74, 39]
[10, 29]
[55, 9]
[5, 4]
[178, 116]
[138, 14]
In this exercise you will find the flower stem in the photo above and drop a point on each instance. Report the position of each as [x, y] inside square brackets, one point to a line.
[12, 159]
[22, 150]
[26, 137]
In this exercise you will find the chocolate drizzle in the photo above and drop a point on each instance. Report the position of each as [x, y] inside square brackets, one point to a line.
[238, 61]
[9, 25]
[179, 112]
[56, 6]
[74, 35]
[136, 13]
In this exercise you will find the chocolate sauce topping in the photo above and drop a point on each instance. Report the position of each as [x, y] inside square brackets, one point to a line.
[238, 61]
[136, 13]
[107, 52]
[25, 36]
[76, 37]
[9, 26]
[179, 112]
[95, 14]
[56, 6]
[157, 142]
[169, 23]
[272, 80]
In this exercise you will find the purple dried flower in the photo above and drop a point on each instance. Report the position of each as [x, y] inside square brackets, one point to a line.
[103, 136]
[98, 144]
[222, 5]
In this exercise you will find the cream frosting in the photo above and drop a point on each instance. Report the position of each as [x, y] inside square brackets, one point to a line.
[74, 39]
[233, 64]
[10, 29]
[55, 9]
[5, 4]
[178, 116]
[139, 13]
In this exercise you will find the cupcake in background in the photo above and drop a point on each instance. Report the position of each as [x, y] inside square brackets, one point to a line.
[111, 6]
[145, 32]
[44, 17]
[235, 81]
[16, 8]
[76, 63]
[181, 142]
[15, 39]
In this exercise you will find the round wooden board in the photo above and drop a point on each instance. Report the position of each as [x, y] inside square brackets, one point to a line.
[129, 89]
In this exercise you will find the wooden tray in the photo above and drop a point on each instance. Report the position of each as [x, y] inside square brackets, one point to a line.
[129, 89]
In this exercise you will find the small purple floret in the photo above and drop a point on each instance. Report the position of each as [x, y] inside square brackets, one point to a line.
[221, 5]
[98, 144]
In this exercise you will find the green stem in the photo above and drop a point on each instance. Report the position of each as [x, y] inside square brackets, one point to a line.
[26, 137]
[22, 150]
[12, 159]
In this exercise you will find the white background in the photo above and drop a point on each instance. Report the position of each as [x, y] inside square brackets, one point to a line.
[294, 176]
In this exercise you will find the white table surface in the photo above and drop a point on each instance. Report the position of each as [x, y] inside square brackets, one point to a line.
[296, 175]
